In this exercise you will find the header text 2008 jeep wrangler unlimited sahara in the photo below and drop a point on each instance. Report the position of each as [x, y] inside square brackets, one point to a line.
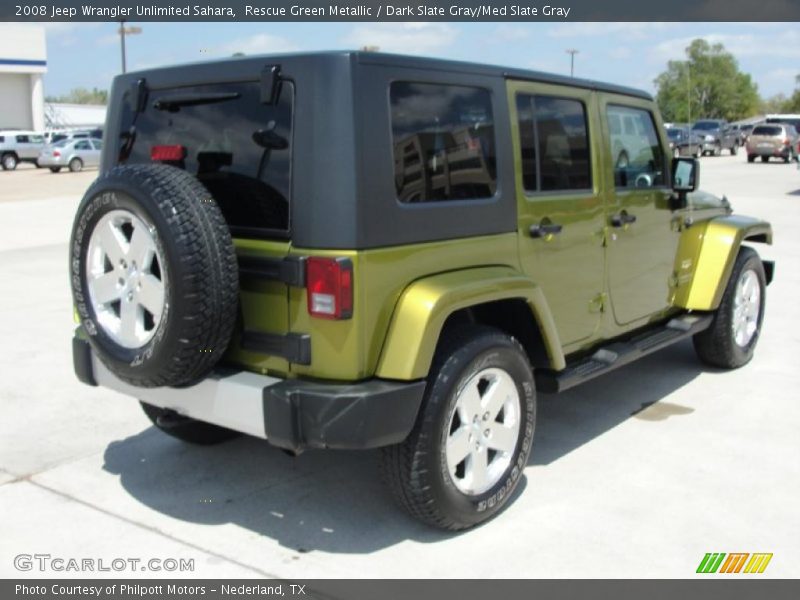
[356, 250]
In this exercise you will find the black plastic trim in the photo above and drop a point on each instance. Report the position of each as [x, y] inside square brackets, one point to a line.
[82, 361]
[294, 347]
[290, 270]
[620, 353]
[370, 414]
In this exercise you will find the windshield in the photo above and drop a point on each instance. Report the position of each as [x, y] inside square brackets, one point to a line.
[706, 125]
[674, 134]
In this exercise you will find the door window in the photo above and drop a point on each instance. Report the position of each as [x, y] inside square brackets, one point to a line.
[554, 143]
[638, 158]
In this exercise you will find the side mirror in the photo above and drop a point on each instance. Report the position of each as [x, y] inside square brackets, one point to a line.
[685, 174]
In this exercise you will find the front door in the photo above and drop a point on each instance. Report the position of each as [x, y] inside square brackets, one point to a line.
[641, 240]
[560, 207]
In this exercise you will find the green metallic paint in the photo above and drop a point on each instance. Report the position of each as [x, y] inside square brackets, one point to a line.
[706, 255]
[425, 305]
[569, 267]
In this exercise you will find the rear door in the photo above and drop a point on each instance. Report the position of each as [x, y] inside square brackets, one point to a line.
[642, 238]
[240, 148]
[559, 203]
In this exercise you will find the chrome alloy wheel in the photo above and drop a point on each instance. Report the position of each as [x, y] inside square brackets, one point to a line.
[126, 278]
[483, 431]
[746, 308]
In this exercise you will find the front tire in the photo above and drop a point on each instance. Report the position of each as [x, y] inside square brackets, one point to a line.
[751, 158]
[186, 429]
[470, 445]
[734, 149]
[76, 165]
[55, 169]
[9, 162]
[731, 339]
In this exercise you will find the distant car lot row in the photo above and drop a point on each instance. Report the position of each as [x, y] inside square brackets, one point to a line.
[56, 150]
[774, 138]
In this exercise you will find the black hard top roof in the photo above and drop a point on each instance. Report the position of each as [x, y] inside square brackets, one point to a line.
[431, 64]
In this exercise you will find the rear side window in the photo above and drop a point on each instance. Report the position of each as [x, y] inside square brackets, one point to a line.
[22, 139]
[2, 139]
[554, 143]
[767, 130]
[83, 145]
[638, 158]
[444, 144]
[239, 147]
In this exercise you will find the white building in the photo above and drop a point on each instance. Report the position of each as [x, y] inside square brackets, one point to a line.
[60, 116]
[23, 62]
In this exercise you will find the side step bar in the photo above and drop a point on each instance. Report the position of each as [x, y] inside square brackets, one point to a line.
[618, 354]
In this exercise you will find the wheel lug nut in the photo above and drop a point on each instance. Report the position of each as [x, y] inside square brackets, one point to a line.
[487, 433]
[486, 416]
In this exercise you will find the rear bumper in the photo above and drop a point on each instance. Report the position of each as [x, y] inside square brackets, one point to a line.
[290, 414]
[781, 150]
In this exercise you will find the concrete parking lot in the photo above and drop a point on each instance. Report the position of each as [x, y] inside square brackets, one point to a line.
[637, 475]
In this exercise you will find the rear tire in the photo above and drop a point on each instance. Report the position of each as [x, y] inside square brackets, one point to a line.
[764, 158]
[731, 339]
[186, 429]
[751, 158]
[465, 456]
[734, 150]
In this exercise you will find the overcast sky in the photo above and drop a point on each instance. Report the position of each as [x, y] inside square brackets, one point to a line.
[88, 54]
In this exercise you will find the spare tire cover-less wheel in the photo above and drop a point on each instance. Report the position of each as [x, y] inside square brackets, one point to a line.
[154, 275]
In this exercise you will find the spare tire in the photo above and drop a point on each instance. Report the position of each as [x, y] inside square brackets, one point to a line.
[154, 275]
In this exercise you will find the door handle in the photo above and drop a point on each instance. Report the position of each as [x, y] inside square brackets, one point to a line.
[543, 229]
[622, 219]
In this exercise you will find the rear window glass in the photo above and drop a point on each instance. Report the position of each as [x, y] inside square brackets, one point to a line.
[767, 130]
[2, 139]
[554, 143]
[444, 145]
[239, 147]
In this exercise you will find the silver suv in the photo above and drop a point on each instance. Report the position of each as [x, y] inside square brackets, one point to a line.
[19, 146]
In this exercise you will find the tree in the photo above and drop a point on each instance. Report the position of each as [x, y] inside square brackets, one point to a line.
[792, 105]
[708, 84]
[81, 96]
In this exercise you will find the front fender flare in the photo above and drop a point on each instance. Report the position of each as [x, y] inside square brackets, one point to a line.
[426, 304]
[706, 256]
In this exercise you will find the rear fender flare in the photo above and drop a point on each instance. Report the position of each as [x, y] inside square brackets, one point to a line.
[426, 304]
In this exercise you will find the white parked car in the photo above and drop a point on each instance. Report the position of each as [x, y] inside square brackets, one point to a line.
[74, 154]
[19, 146]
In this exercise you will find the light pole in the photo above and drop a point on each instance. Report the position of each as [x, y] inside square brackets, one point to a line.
[122, 32]
[572, 52]
[688, 93]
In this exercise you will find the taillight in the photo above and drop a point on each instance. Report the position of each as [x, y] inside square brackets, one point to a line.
[173, 153]
[330, 287]
[56, 153]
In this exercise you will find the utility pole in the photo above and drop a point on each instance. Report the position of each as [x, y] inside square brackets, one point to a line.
[572, 52]
[688, 93]
[122, 32]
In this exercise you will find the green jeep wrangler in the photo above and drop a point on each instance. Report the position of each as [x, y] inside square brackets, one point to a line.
[358, 250]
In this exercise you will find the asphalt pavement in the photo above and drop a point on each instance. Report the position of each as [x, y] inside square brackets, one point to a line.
[636, 475]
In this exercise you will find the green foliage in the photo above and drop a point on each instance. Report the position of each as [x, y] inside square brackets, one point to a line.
[708, 84]
[81, 96]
